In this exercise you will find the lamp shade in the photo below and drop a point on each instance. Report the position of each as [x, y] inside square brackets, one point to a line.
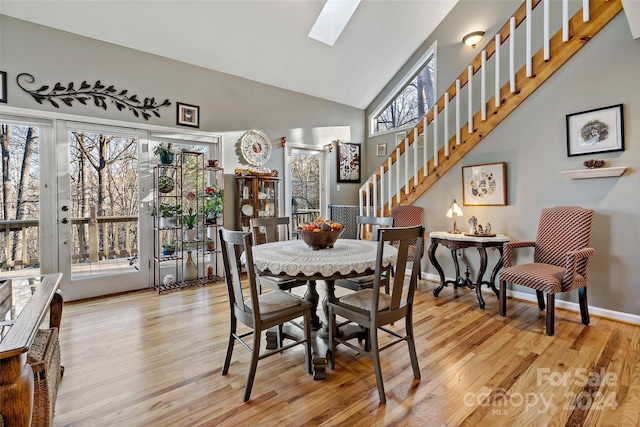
[454, 210]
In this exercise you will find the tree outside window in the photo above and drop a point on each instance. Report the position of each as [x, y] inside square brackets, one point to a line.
[411, 103]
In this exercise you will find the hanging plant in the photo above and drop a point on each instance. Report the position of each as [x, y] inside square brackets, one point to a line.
[99, 93]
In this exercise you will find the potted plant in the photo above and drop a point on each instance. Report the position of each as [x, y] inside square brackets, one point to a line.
[168, 249]
[189, 221]
[210, 244]
[213, 203]
[165, 184]
[165, 153]
[168, 214]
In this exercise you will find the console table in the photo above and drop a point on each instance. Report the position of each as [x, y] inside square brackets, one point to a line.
[24, 301]
[454, 242]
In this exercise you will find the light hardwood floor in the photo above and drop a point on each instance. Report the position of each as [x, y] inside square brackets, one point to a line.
[142, 359]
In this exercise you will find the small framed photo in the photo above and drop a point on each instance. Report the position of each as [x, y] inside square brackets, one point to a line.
[420, 142]
[3, 86]
[382, 150]
[348, 162]
[400, 136]
[484, 185]
[595, 131]
[188, 115]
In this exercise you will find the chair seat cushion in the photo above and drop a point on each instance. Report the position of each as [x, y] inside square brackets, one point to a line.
[363, 299]
[363, 279]
[541, 277]
[281, 283]
[275, 301]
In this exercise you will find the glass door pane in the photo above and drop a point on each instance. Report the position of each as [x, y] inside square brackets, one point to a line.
[305, 186]
[102, 231]
[20, 200]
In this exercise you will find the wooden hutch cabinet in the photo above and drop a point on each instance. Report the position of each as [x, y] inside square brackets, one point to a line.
[256, 196]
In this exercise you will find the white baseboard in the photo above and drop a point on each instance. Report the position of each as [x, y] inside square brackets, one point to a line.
[567, 305]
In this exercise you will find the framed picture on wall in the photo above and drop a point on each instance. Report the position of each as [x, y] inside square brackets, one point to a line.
[349, 162]
[381, 150]
[484, 185]
[188, 115]
[595, 131]
[400, 136]
[3, 86]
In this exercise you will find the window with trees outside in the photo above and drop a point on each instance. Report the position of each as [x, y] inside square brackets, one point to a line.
[410, 100]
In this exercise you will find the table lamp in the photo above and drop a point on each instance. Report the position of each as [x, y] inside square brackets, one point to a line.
[454, 212]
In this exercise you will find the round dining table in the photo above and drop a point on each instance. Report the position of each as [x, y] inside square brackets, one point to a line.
[346, 259]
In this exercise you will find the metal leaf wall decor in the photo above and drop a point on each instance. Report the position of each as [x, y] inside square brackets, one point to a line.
[98, 92]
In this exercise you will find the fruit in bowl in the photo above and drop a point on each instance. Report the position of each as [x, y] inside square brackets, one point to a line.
[320, 234]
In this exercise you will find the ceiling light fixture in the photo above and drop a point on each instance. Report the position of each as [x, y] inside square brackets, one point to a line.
[472, 39]
[332, 19]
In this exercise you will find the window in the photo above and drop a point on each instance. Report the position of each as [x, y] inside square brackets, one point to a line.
[411, 99]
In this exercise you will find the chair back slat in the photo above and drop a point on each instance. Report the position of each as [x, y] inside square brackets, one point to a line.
[402, 238]
[368, 226]
[271, 227]
[562, 229]
[230, 241]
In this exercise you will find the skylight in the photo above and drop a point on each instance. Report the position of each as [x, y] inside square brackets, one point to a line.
[332, 19]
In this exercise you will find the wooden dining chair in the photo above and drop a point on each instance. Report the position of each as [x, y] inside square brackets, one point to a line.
[258, 311]
[560, 256]
[271, 230]
[367, 227]
[409, 216]
[374, 309]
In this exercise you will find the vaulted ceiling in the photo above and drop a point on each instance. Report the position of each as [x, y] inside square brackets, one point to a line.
[261, 40]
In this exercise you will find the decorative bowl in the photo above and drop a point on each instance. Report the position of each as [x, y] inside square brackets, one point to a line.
[593, 163]
[319, 239]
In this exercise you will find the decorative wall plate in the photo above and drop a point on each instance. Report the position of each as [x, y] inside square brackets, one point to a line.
[255, 147]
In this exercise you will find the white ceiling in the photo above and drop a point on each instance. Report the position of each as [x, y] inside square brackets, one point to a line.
[261, 40]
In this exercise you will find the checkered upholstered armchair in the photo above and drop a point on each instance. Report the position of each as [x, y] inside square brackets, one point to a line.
[561, 252]
[409, 216]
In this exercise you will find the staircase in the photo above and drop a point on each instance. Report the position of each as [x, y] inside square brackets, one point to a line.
[408, 172]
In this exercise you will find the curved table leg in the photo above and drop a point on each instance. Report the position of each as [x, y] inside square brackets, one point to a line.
[483, 268]
[494, 273]
[434, 262]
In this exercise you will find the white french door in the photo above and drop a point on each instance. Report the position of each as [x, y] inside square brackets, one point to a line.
[306, 175]
[102, 209]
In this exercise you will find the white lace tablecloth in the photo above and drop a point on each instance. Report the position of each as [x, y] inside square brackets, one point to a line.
[295, 258]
